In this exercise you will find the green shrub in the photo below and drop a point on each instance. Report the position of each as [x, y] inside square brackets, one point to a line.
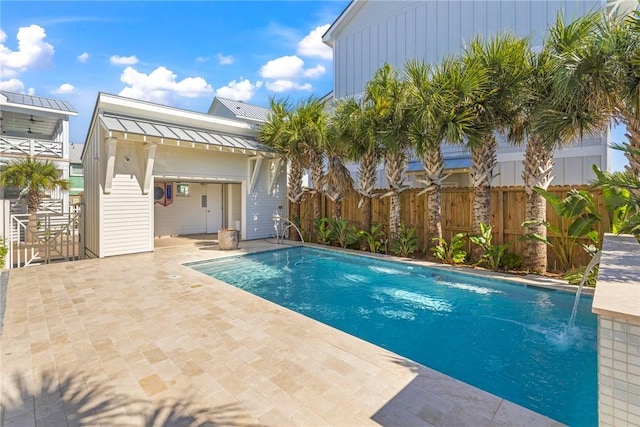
[343, 233]
[374, 238]
[450, 253]
[510, 261]
[492, 253]
[574, 276]
[404, 243]
[3, 252]
[323, 230]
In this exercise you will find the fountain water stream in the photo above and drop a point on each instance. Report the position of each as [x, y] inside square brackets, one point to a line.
[594, 261]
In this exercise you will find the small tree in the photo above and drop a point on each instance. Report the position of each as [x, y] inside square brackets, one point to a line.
[34, 178]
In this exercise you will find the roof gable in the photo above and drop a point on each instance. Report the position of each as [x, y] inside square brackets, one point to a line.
[239, 110]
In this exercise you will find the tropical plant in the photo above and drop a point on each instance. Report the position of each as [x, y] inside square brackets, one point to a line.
[344, 233]
[353, 126]
[450, 253]
[510, 261]
[404, 242]
[492, 253]
[386, 94]
[278, 134]
[440, 104]
[567, 96]
[576, 275]
[578, 218]
[621, 194]
[308, 126]
[374, 238]
[34, 178]
[619, 42]
[504, 60]
[337, 182]
[323, 230]
[3, 252]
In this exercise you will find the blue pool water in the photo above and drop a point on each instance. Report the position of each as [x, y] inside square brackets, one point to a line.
[505, 338]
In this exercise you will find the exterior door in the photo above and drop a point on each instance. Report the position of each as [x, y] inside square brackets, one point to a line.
[214, 207]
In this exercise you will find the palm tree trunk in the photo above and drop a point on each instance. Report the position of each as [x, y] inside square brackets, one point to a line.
[433, 163]
[537, 167]
[295, 193]
[337, 208]
[395, 164]
[367, 174]
[484, 160]
[317, 171]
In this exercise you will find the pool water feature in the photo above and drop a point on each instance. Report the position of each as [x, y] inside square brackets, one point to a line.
[505, 338]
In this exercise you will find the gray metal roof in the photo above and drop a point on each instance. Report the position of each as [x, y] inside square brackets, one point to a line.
[181, 133]
[38, 101]
[242, 109]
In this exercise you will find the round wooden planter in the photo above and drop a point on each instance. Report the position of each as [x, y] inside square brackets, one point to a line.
[228, 239]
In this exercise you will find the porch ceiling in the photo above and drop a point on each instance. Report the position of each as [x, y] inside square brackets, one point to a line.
[166, 133]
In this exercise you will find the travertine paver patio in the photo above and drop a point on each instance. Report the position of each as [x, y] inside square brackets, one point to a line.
[143, 339]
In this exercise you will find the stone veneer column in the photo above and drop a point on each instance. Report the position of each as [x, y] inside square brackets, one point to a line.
[617, 304]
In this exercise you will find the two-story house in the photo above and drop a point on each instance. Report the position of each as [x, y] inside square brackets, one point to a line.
[37, 127]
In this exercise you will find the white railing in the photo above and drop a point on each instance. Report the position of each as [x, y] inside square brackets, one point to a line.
[30, 147]
[44, 237]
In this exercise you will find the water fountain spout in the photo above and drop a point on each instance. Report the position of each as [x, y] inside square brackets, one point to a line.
[280, 230]
[595, 260]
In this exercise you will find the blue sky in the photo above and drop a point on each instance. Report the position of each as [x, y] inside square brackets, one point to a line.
[179, 53]
[175, 53]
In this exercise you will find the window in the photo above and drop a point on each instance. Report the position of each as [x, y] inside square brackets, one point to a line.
[76, 170]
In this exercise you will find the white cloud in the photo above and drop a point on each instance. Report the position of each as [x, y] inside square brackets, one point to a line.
[123, 60]
[285, 85]
[311, 44]
[285, 73]
[12, 85]
[33, 51]
[239, 91]
[285, 67]
[225, 60]
[315, 72]
[83, 57]
[64, 89]
[161, 84]
[202, 59]
[31, 91]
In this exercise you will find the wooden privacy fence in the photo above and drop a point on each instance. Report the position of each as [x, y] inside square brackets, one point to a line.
[507, 214]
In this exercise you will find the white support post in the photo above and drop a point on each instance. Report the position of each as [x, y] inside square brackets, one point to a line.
[254, 173]
[148, 170]
[111, 161]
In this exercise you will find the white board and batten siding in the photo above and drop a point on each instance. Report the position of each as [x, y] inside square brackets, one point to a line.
[397, 31]
[264, 202]
[126, 218]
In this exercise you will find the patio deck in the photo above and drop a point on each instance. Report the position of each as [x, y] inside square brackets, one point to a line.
[143, 340]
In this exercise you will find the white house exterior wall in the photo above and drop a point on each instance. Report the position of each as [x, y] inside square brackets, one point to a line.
[93, 193]
[397, 31]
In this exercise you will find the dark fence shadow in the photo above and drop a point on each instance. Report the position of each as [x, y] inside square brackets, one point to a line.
[80, 401]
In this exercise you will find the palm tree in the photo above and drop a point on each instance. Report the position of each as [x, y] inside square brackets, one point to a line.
[621, 42]
[352, 124]
[34, 178]
[308, 126]
[277, 134]
[441, 105]
[337, 181]
[387, 93]
[504, 59]
[567, 98]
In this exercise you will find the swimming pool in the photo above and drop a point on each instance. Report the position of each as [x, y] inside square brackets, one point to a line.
[505, 338]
